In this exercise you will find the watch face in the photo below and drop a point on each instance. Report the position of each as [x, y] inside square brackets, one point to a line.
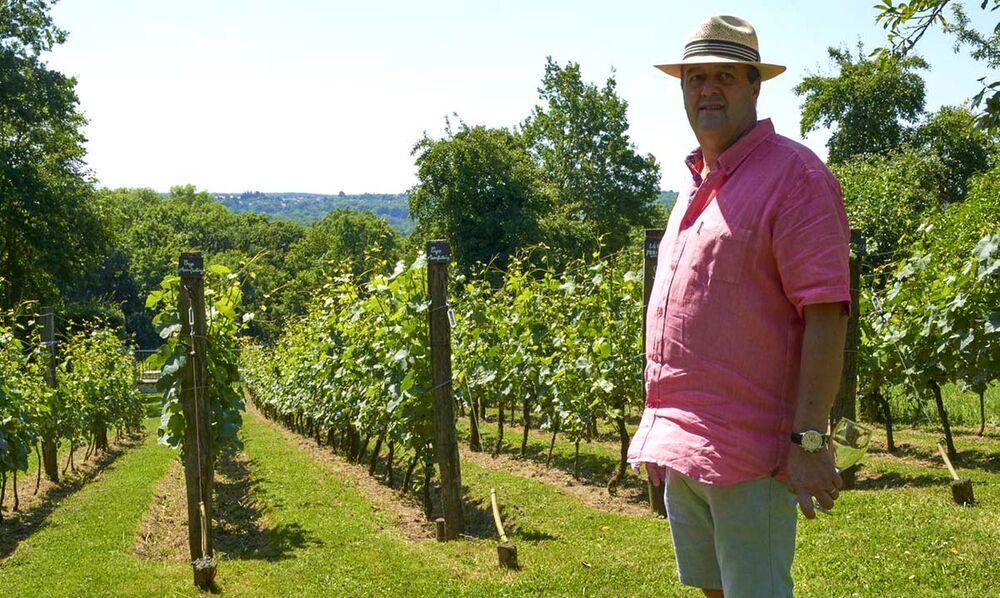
[812, 440]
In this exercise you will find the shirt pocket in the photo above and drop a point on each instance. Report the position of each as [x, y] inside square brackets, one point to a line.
[720, 253]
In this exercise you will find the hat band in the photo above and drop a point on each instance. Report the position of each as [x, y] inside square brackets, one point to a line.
[721, 47]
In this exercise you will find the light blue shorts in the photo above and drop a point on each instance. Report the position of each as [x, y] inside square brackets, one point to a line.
[739, 538]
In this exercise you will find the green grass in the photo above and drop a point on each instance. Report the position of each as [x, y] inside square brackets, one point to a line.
[898, 534]
[962, 406]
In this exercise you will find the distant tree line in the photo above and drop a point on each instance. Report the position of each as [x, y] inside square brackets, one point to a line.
[306, 208]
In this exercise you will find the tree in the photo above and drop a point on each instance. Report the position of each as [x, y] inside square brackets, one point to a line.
[869, 103]
[963, 149]
[50, 231]
[908, 21]
[152, 230]
[601, 186]
[344, 241]
[479, 188]
[887, 198]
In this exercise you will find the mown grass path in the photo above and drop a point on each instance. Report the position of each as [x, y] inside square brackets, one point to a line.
[322, 536]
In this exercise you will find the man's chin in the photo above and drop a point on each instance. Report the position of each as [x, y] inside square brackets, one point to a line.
[710, 125]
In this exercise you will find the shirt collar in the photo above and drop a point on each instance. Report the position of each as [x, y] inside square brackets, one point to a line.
[734, 156]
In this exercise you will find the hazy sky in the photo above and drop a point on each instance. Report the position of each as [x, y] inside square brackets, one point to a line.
[313, 96]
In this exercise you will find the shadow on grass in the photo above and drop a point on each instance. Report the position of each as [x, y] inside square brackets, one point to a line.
[479, 516]
[892, 479]
[480, 524]
[154, 409]
[975, 459]
[22, 525]
[239, 529]
[979, 460]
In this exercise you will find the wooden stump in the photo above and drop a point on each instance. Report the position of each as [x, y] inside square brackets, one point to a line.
[508, 556]
[656, 500]
[439, 529]
[961, 492]
[204, 572]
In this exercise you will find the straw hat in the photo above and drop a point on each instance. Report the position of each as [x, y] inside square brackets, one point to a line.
[723, 39]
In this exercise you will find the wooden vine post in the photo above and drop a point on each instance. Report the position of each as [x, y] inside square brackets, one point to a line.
[50, 461]
[446, 442]
[199, 468]
[845, 405]
[650, 252]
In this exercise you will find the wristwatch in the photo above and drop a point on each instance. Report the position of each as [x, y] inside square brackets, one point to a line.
[811, 441]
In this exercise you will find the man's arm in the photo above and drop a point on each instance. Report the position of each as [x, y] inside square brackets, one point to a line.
[814, 474]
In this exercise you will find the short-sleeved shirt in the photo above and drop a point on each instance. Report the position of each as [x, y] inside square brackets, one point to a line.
[764, 234]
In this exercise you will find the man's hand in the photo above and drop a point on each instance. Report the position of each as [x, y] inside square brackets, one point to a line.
[813, 474]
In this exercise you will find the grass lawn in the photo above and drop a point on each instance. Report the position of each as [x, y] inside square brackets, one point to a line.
[898, 534]
[962, 406]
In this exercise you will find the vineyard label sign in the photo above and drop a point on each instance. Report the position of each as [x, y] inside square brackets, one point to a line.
[652, 248]
[192, 265]
[438, 252]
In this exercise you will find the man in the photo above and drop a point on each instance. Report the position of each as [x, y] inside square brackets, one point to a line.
[745, 330]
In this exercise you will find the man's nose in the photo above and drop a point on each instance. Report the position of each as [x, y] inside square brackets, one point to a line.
[709, 88]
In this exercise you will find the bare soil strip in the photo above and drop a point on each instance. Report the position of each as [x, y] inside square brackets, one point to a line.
[164, 530]
[239, 525]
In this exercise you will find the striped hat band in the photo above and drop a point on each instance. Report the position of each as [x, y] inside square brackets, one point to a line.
[722, 38]
[722, 48]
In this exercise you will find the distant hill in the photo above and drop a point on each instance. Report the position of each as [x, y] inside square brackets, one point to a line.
[306, 208]
[667, 199]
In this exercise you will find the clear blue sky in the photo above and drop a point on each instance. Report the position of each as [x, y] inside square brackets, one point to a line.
[328, 96]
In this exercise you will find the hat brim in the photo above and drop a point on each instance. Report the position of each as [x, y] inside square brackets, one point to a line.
[767, 71]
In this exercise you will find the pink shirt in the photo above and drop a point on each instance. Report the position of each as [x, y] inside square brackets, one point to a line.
[763, 235]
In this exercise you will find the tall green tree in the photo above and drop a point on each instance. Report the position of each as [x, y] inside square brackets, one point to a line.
[601, 186]
[963, 148]
[479, 188]
[869, 104]
[50, 232]
[888, 196]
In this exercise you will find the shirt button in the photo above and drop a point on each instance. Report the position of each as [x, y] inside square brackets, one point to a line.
[659, 311]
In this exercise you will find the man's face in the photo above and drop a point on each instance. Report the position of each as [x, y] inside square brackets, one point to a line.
[720, 101]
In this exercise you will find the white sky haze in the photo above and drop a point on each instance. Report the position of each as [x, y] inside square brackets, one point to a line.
[322, 97]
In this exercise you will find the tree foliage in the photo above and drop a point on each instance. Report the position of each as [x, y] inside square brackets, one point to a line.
[869, 104]
[963, 149]
[906, 23]
[888, 196]
[50, 233]
[602, 188]
[479, 189]
[343, 241]
[569, 177]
